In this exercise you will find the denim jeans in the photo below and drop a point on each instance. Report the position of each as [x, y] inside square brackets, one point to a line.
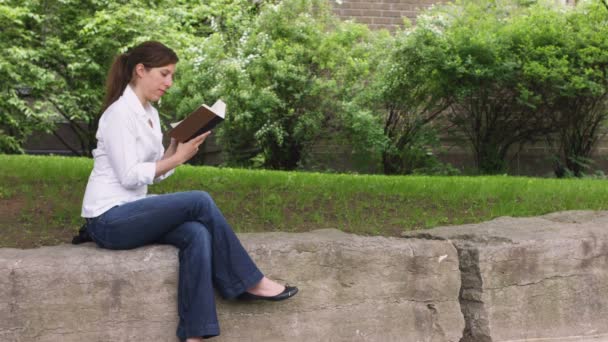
[210, 254]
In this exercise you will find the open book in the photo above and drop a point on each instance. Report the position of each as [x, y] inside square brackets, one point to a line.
[201, 120]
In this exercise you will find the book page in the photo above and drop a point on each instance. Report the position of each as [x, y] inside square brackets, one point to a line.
[219, 108]
[173, 124]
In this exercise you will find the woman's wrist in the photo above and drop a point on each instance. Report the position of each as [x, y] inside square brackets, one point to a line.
[176, 159]
[165, 165]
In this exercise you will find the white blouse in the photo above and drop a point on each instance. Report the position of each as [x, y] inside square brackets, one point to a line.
[126, 155]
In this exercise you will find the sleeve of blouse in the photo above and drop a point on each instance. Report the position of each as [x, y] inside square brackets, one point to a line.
[161, 147]
[119, 136]
[166, 174]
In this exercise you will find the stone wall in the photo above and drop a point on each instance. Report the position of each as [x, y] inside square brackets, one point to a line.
[510, 279]
[352, 288]
[533, 279]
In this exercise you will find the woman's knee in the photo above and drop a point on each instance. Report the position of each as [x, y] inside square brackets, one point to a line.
[202, 201]
[195, 233]
[201, 197]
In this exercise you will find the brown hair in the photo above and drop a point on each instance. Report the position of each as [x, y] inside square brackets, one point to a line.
[151, 54]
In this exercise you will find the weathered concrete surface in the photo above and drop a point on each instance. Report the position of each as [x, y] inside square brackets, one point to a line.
[351, 289]
[533, 279]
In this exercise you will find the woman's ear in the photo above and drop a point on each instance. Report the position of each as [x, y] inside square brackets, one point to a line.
[139, 70]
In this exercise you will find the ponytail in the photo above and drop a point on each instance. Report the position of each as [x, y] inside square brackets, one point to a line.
[151, 54]
[118, 78]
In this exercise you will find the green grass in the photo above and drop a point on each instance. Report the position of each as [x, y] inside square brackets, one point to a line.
[40, 198]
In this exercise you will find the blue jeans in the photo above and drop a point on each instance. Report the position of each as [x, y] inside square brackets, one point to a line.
[210, 254]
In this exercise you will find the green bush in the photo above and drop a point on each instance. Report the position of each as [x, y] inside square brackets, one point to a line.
[501, 73]
[21, 77]
[565, 61]
[410, 98]
[509, 73]
[56, 55]
[493, 107]
[288, 81]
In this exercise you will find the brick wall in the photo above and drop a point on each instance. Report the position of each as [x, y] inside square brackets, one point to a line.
[388, 14]
[377, 14]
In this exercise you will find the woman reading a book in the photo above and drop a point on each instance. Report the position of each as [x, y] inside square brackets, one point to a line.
[120, 215]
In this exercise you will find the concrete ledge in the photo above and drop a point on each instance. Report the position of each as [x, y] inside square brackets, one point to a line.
[523, 279]
[533, 279]
[352, 289]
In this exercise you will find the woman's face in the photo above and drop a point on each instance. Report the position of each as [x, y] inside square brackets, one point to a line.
[154, 82]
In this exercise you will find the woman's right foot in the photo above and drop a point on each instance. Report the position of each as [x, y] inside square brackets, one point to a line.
[268, 289]
[288, 292]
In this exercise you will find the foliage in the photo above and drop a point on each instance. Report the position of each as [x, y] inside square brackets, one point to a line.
[499, 73]
[411, 98]
[494, 107]
[20, 78]
[58, 54]
[287, 69]
[287, 80]
[566, 63]
[509, 73]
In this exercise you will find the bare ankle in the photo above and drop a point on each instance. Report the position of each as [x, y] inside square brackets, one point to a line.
[266, 287]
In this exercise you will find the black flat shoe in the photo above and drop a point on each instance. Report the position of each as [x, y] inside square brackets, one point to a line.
[289, 291]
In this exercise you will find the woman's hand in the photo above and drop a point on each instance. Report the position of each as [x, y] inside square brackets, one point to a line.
[187, 150]
[182, 153]
[173, 144]
[170, 151]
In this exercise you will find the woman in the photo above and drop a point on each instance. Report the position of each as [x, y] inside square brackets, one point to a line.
[119, 214]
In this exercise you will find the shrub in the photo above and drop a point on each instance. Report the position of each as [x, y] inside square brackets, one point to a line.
[492, 107]
[566, 63]
[57, 55]
[21, 78]
[288, 82]
[510, 73]
[411, 98]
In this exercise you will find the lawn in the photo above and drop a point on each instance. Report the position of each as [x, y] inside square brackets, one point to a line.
[40, 199]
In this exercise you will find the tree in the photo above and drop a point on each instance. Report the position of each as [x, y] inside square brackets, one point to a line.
[287, 80]
[481, 73]
[413, 97]
[581, 99]
[22, 79]
[58, 53]
[567, 64]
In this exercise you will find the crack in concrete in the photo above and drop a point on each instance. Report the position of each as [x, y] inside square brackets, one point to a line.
[475, 314]
[477, 328]
[473, 309]
[535, 282]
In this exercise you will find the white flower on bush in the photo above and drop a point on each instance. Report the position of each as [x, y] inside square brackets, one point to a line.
[408, 31]
[214, 25]
[250, 58]
[435, 22]
[234, 64]
[244, 38]
[242, 43]
[198, 60]
[194, 49]
[274, 7]
[263, 38]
